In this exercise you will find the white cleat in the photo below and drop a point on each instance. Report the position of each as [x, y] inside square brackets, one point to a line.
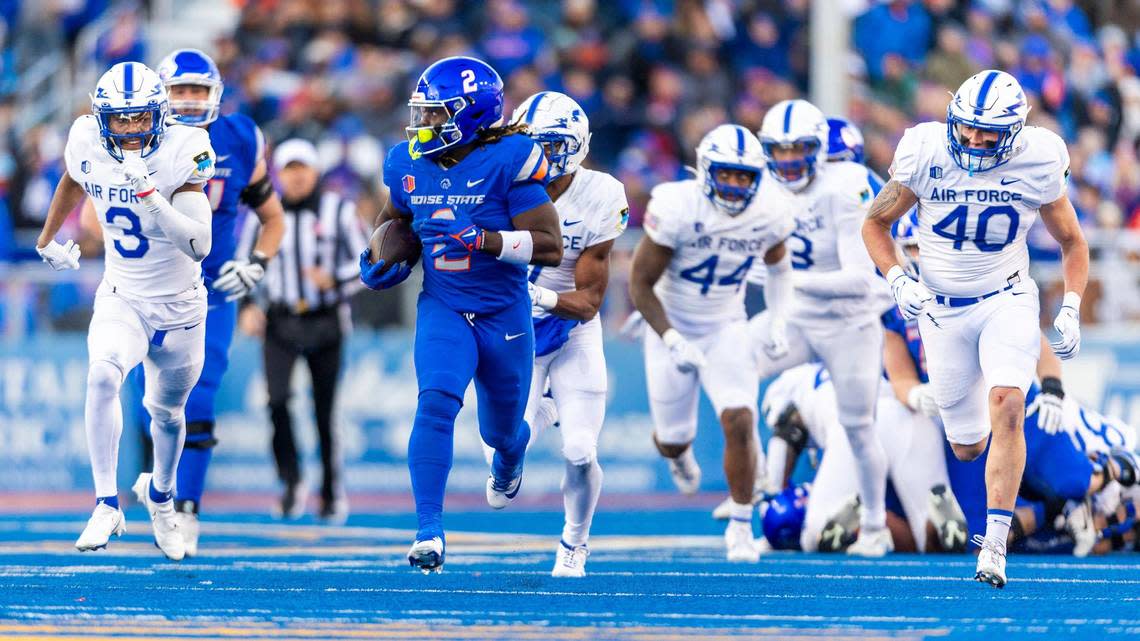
[686, 472]
[872, 544]
[104, 522]
[190, 528]
[739, 544]
[723, 512]
[163, 518]
[570, 561]
[501, 492]
[1079, 524]
[427, 555]
[991, 562]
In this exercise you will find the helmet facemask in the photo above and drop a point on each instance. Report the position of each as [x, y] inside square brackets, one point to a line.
[792, 163]
[997, 149]
[195, 112]
[723, 185]
[131, 130]
[433, 127]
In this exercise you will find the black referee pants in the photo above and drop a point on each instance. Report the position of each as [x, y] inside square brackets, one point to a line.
[317, 338]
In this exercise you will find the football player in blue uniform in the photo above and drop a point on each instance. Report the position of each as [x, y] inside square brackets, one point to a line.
[474, 192]
[195, 87]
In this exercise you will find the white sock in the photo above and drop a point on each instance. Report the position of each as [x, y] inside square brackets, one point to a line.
[871, 470]
[168, 438]
[997, 525]
[740, 512]
[103, 419]
[581, 486]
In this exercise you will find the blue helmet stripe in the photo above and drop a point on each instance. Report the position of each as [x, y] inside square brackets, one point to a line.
[128, 81]
[739, 140]
[788, 117]
[534, 106]
[983, 92]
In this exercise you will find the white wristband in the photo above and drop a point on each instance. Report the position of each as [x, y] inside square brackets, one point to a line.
[518, 247]
[894, 272]
[671, 337]
[1072, 299]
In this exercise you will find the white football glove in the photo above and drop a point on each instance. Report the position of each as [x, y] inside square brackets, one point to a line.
[541, 297]
[634, 326]
[910, 295]
[685, 355]
[138, 175]
[1049, 405]
[238, 278]
[777, 345]
[1068, 325]
[920, 398]
[60, 257]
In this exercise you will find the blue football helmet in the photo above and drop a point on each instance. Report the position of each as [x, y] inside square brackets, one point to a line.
[784, 519]
[844, 141]
[992, 101]
[127, 92]
[192, 67]
[455, 99]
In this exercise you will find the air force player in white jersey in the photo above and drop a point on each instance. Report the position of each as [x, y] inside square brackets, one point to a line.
[980, 181]
[702, 237]
[838, 295]
[568, 334]
[146, 179]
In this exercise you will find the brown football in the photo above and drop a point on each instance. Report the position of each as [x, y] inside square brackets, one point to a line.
[395, 242]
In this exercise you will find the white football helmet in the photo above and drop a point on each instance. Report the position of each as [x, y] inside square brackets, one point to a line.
[560, 125]
[793, 126]
[730, 147]
[126, 92]
[993, 101]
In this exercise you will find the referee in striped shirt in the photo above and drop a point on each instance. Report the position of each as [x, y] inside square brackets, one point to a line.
[302, 311]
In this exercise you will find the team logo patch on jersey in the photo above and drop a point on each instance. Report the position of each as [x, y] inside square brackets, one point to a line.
[699, 227]
[865, 195]
[409, 183]
[623, 220]
[85, 166]
[936, 172]
[202, 161]
[445, 183]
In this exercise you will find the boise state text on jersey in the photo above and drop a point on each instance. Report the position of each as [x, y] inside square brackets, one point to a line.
[493, 184]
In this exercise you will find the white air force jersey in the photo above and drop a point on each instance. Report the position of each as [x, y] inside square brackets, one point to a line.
[703, 287]
[828, 237]
[140, 261]
[971, 229]
[590, 212]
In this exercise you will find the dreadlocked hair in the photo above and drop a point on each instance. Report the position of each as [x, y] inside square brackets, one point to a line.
[495, 134]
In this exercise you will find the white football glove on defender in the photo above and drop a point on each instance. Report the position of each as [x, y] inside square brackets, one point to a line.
[920, 398]
[1068, 325]
[685, 355]
[138, 175]
[1049, 405]
[777, 345]
[238, 278]
[60, 257]
[910, 295]
[541, 297]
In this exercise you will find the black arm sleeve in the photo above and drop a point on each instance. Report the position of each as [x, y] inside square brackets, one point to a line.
[255, 194]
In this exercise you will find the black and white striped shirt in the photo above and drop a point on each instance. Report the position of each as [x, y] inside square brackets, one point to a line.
[322, 232]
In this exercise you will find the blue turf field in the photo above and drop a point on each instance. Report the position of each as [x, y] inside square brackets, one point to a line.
[653, 576]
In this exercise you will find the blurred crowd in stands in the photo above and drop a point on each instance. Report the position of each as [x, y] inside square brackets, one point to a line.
[653, 75]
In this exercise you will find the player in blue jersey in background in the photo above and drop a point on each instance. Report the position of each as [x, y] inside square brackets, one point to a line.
[474, 191]
[195, 87]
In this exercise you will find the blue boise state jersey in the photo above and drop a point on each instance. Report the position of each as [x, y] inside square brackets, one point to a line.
[893, 321]
[239, 146]
[488, 188]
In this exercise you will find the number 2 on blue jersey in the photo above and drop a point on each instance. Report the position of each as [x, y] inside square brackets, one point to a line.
[704, 274]
[957, 220]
